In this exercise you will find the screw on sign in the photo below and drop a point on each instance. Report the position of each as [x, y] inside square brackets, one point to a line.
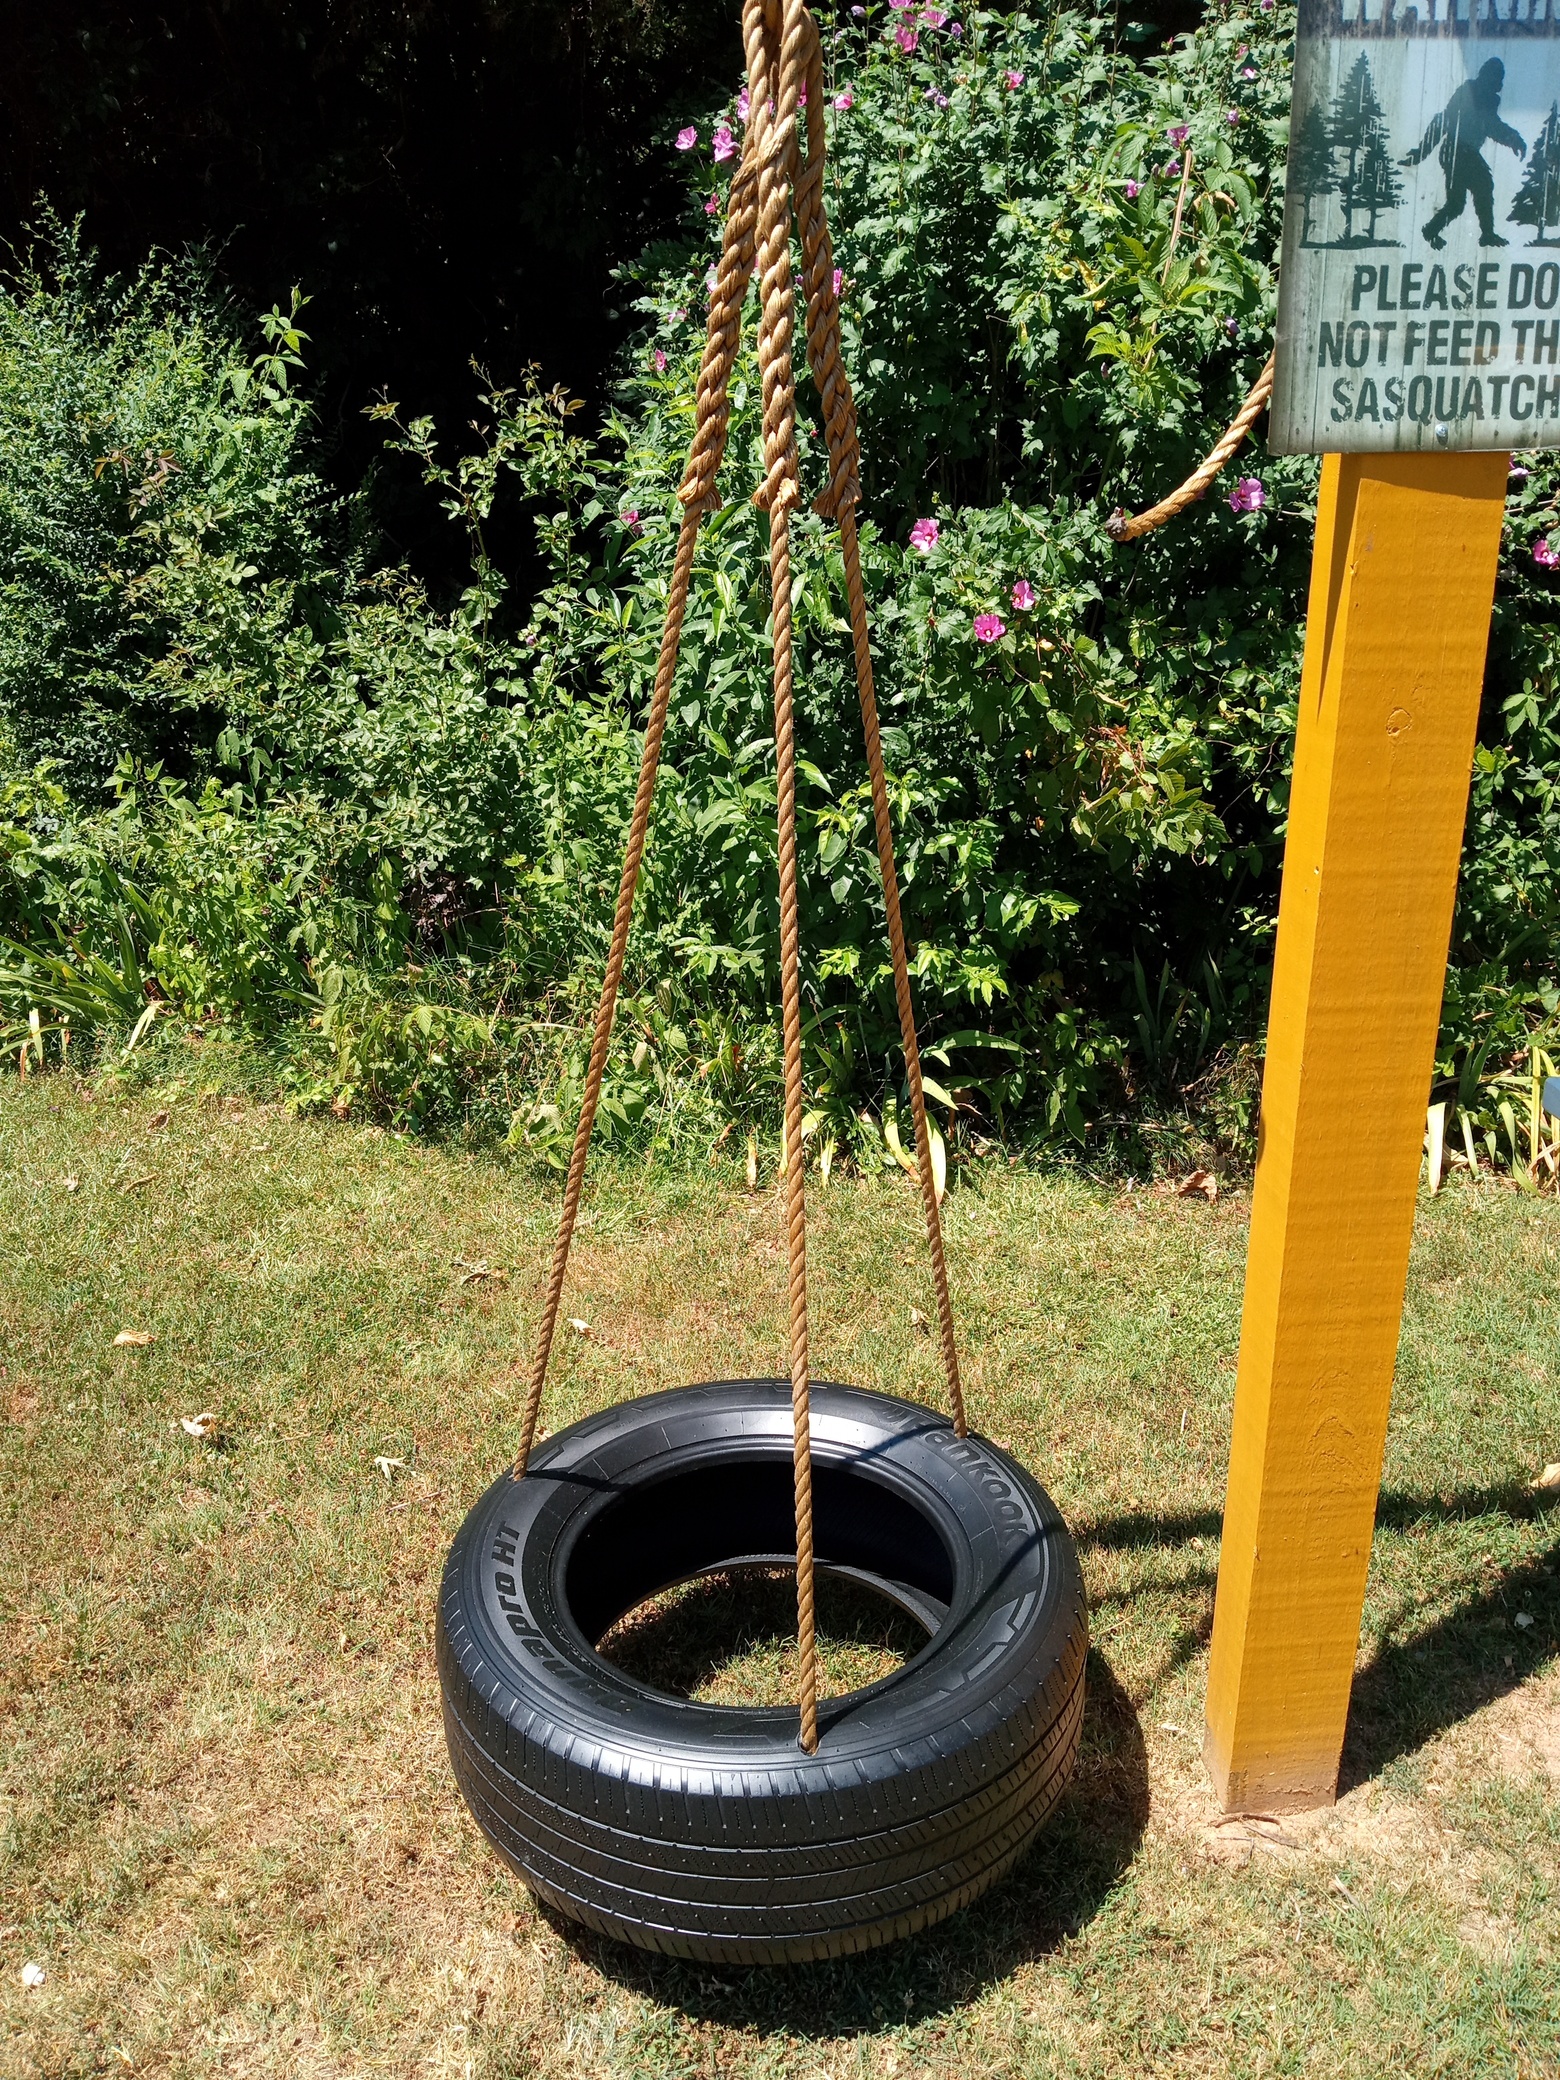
[1420, 306]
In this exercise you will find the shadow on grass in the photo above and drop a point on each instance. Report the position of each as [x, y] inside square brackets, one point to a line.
[1429, 1680]
[1415, 1689]
[1395, 1508]
[1434, 1676]
[1063, 1881]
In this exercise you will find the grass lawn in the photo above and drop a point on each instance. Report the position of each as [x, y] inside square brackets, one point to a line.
[230, 1836]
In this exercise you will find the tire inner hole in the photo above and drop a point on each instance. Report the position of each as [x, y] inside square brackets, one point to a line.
[728, 1637]
[687, 1584]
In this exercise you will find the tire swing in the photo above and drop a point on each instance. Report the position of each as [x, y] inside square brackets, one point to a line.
[711, 1831]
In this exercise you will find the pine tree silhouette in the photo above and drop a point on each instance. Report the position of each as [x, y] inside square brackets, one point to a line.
[1538, 198]
[1358, 129]
[1312, 169]
[1379, 187]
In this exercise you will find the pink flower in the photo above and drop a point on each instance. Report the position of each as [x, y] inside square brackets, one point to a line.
[839, 280]
[1232, 326]
[1518, 474]
[712, 207]
[932, 18]
[901, 6]
[1014, 81]
[1178, 133]
[712, 278]
[630, 518]
[687, 139]
[989, 628]
[906, 39]
[723, 143]
[659, 358]
[844, 99]
[1248, 72]
[1544, 556]
[1133, 190]
[1023, 596]
[923, 536]
[935, 98]
[955, 28]
[1232, 115]
[743, 104]
[1248, 496]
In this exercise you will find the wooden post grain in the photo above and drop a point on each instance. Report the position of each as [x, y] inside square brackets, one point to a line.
[1401, 589]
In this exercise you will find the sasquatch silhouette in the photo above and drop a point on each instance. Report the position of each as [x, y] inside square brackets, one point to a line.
[1469, 121]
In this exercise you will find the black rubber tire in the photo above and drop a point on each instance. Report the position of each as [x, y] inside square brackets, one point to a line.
[705, 1831]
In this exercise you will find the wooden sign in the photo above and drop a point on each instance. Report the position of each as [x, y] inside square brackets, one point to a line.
[1419, 303]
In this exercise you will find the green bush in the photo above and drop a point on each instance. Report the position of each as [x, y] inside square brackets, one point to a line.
[1057, 264]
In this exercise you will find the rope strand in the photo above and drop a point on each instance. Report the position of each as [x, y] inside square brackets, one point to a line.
[783, 49]
[655, 729]
[839, 502]
[896, 940]
[1127, 527]
[773, 120]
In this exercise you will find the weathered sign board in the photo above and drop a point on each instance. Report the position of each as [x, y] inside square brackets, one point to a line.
[1419, 303]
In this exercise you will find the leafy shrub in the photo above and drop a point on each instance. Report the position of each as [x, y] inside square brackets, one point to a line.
[1057, 264]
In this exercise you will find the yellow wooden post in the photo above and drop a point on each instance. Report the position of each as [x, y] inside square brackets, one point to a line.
[1401, 586]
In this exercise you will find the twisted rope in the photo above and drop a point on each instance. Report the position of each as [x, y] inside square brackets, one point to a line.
[896, 940]
[839, 502]
[698, 496]
[777, 30]
[639, 823]
[782, 49]
[1125, 527]
[712, 400]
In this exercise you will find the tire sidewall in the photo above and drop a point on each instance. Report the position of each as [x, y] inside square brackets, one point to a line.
[1010, 1642]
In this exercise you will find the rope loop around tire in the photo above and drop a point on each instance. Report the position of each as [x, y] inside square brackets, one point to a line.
[780, 174]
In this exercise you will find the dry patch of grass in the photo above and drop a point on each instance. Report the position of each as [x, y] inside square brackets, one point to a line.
[230, 1836]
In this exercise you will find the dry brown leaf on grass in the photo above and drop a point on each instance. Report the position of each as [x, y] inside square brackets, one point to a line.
[71, 1184]
[135, 1183]
[158, 1119]
[390, 1467]
[33, 1975]
[917, 1319]
[1200, 1184]
[133, 1339]
[580, 1328]
[207, 1426]
[1550, 1477]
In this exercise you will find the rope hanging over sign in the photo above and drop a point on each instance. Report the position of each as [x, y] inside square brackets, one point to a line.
[781, 168]
[1126, 527]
